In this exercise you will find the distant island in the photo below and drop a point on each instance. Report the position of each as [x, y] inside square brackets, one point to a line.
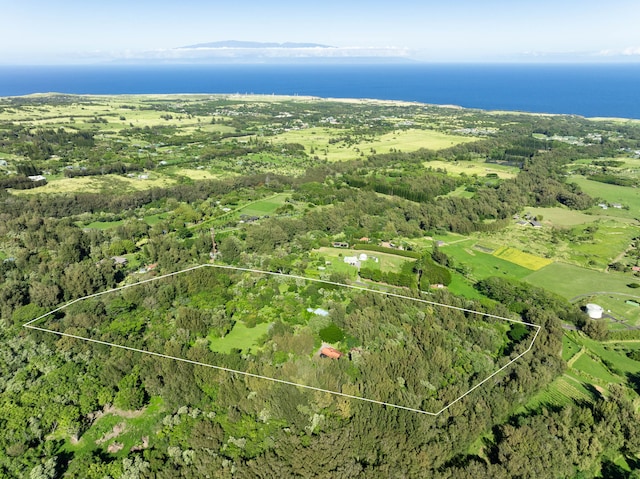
[244, 44]
[240, 51]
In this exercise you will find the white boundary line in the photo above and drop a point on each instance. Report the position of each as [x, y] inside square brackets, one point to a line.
[30, 325]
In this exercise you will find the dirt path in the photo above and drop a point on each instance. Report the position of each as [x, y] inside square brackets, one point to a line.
[619, 257]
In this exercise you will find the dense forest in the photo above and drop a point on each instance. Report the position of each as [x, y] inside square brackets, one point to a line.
[75, 408]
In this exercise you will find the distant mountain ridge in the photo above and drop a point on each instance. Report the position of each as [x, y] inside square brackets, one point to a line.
[243, 44]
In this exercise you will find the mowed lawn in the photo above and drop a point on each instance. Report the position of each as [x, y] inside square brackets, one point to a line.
[240, 337]
[569, 281]
[266, 206]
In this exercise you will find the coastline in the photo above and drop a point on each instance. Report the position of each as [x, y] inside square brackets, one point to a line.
[310, 98]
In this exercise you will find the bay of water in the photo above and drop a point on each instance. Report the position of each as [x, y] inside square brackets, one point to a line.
[587, 90]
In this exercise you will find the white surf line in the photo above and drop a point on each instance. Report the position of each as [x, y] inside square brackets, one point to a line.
[29, 324]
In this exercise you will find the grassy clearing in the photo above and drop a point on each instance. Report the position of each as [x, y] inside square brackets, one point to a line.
[93, 184]
[135, 428]
[560, 217]
[462, 287]
[569, 280]
[482, 265]
[625, 195]
[569, 348]
[240, 337]
[317, 139]
[521, 258]
[460, 192]
[266, 206]
[469, 168]
[196, 174]
[610, 239]
[386, 262]
[102, 225]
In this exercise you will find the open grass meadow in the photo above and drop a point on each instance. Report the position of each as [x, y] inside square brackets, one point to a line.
[469, 168]
[266, 206]
[482, 264]
[570, 281]
[560, 217]
[316, 142]
[624, 195]
[240, 337]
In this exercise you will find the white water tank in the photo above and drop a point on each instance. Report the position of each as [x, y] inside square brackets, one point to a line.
[594, 311]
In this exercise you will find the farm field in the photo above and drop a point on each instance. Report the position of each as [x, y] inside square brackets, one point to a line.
[482, 264]
[592, 367]
[526, 260]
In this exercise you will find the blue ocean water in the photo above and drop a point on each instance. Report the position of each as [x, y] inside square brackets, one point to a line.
[587, 90]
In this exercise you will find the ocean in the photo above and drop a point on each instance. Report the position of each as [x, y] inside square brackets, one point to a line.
[586, 90]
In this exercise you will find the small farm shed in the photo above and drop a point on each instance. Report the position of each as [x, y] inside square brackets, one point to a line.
[330, 353]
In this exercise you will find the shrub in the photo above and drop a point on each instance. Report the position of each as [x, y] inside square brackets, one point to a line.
[331, 334]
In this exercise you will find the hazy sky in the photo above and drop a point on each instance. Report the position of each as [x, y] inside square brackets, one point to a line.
[72, 31]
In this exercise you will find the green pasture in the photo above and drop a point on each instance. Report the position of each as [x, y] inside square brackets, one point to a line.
[155, 219]
[317, 139]
[265, 206]
[462, 287]
[611, 239]
[625, 195]
[470, 168]
[480, 264]
[569, 347]
[240, 337]
[560, 217]
[570, 281]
